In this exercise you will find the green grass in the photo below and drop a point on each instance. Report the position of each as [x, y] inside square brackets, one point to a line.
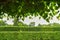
[42, 35]
[49, 32]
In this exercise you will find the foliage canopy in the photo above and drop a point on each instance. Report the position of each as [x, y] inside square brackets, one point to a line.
[24, 8]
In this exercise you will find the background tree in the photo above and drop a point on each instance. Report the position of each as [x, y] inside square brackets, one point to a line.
[23, 8]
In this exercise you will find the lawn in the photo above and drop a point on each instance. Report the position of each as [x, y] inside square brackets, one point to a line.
[30, 33]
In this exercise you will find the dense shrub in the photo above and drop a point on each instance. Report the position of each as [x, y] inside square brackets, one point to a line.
[9, 28]
[15, 28]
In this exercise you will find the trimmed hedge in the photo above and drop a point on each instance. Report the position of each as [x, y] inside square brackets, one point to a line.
[9, 28]
[40, 29]
[29, 28]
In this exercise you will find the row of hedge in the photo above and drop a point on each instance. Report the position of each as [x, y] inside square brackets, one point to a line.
[29, 28]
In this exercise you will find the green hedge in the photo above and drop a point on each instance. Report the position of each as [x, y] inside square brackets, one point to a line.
[9, 28]
[29, 28]
[40, 29]
[30, 36]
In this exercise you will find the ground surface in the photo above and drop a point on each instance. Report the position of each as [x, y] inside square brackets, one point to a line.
[51, 32]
